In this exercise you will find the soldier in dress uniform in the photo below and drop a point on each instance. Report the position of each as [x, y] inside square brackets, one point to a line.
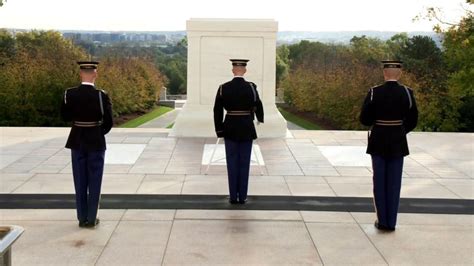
[90, 111]
[241, 101]
[390, 110]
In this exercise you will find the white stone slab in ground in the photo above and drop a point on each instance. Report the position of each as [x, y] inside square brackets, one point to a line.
[123, 153]
[346, 155]
[219, 155]
[6, 160]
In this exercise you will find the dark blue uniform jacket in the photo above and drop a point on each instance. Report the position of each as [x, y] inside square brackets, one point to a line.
[82, 104]
[390, 101]
[237, 95]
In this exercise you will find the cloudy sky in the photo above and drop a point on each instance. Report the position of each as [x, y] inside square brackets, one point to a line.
[293, 15]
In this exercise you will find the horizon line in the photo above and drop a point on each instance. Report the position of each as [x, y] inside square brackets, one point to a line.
[145, 31]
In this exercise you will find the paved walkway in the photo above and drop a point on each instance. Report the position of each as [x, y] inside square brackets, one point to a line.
[215, 237]
[162, 121]
[146, 162]
[292, 126]
[169, 118]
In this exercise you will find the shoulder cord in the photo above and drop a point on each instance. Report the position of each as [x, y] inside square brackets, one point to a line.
[253, 91]
[101, 105]
[409, 96]
[371, 98]
[220, 90]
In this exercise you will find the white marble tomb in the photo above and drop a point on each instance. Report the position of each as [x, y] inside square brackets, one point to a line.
[211, 43]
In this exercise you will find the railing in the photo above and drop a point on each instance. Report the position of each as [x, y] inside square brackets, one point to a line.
[8, 236]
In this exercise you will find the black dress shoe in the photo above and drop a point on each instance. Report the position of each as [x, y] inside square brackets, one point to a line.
[83, 224]
[383, 227]
[243, 201]
[94, 224]
[233, 201]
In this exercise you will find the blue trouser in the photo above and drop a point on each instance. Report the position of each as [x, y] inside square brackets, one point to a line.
[87, 169]
[387, 184]
[238, 167]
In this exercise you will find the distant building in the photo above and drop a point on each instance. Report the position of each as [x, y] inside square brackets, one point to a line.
[142, 38]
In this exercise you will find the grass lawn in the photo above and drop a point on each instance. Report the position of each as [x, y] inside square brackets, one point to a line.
[298, 120]
[160, 110]
[170, 125]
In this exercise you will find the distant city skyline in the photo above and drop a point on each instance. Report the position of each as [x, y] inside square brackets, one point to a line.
[295, 15]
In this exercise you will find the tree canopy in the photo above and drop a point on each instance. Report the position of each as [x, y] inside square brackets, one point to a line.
[36, 67]
[331, 80]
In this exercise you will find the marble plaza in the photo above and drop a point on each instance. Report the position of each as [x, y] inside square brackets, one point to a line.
[146, 161]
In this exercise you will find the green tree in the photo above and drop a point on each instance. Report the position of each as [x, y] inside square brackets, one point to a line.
[330, 80]
[42, 64]
[282, 63]
[7, 46]
[424, 59]
[458, 57]
[183, 42]
[171, 60]
[34, 79]
[369, 50]
[396, 44]
[458, 43]
[132, 83]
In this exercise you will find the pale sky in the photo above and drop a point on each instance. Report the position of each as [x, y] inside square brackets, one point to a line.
[164, 15]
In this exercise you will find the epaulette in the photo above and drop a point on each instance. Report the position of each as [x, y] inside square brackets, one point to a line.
[372, 91]
[253, 90]
[220, 89]
[65, 93]
[101, 90]
[410, 89]
[69, 89]
[376, 86]
[410, 101]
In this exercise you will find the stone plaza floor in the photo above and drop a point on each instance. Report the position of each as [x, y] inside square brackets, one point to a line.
[307, 164]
